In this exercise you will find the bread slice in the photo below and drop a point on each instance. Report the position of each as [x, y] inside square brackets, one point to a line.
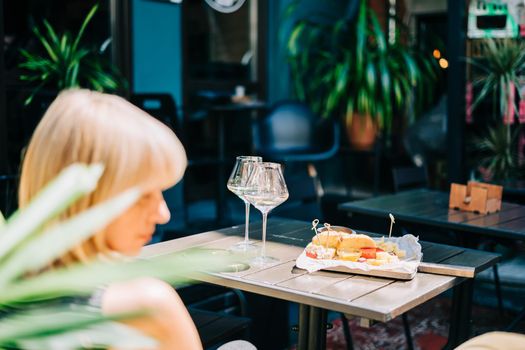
[329, 239]
[352, 243]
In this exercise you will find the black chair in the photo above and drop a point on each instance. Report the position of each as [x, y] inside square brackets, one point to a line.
[406, 178]
[292, 134]
[220, 314]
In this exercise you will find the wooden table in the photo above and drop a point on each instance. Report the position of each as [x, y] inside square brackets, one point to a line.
[430, 208]
[377, 299]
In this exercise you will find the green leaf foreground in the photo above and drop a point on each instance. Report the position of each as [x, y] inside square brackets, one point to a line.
[74, 182]
[30, 243]
[71, 325]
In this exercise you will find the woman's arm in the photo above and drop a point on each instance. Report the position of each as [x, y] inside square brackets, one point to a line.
[169, 322]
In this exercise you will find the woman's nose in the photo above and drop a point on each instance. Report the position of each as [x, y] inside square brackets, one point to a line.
[163, 212]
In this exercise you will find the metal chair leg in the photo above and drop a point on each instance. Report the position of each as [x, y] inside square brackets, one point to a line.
[497, 286]
[346, 332]
[408, 333]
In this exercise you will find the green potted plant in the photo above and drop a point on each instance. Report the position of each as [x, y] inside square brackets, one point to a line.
[65, 62]
[500, 67]
[346, 67]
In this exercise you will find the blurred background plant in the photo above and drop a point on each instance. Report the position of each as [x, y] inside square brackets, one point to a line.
[44, 308]
[498, 157]
[501, 67]
[342, 65]
[65, 62]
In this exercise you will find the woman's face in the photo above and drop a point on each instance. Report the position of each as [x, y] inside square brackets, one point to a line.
[128, 233]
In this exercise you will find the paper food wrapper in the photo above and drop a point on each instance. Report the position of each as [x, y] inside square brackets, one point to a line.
[408, 243]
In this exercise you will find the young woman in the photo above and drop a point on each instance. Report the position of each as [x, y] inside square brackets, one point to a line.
[136, 150]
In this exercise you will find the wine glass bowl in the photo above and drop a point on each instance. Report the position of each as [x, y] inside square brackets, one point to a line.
[237, 184]
[265, 190]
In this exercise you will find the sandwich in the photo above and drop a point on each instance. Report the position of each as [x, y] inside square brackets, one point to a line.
[324, 244]
[316, 251]
[329, 238]
[353, 247]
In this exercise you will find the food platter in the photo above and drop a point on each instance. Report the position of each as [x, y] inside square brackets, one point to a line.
[388, 257]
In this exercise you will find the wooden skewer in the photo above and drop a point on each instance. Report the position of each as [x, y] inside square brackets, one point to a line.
[314, 226]
[392, 221]
[327, 233]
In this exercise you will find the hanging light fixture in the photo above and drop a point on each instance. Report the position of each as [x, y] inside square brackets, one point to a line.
[225, 6]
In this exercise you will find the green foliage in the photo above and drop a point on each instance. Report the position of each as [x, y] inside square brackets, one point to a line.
[65, 63]
[502, 64]
[498, 153]
[33, 314]
[341, 66]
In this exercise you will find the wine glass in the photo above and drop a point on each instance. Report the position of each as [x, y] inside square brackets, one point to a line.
[265, 189]
[237, 184]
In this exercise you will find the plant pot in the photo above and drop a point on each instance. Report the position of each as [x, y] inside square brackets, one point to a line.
[361, 131]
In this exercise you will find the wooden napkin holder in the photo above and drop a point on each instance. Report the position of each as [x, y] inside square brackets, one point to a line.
[477, 197]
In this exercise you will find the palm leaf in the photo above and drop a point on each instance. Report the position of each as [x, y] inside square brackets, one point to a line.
[101, 335]
[32, 330]
[175, 268]
[73, 182]
[65, 236]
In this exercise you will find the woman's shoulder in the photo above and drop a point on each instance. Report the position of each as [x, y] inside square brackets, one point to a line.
[145, 292]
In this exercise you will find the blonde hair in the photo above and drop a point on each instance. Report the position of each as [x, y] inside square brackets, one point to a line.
[92, 127]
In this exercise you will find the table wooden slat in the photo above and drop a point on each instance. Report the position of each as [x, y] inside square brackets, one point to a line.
[477, 260]
[437, 253]
[277, 274]
[355, 287]
[498, 218]
[513, 225]
[314, 282]
[402, 296]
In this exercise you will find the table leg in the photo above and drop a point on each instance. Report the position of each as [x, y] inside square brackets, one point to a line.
[460, 318]
[317, 329]
[221, 189]
[304, 316]
[377, 166]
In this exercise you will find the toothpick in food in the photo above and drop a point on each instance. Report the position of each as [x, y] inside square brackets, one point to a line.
[392, 221]
[314, 226]
[328, 226]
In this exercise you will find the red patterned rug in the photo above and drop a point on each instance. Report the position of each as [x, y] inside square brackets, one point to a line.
[429, 324]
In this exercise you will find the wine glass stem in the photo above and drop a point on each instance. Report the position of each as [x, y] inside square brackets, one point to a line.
[263, 250]
[247, 220]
